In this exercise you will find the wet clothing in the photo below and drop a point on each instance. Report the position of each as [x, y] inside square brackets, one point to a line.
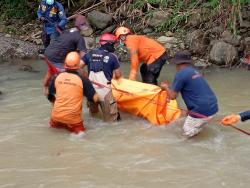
[193, 126]
[151, 72]
[48, 38]
[74, 128]
[245, 115]
[147, 51]
[101, 60]
[196, 93]
[67, 90]
[101, 64]
[54, 68]
[54, 16]
[68, 41]
[108, 106]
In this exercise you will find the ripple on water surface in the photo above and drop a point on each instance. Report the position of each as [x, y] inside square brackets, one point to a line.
[131, 153]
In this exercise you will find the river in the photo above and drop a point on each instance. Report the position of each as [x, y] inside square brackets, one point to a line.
[128, 154]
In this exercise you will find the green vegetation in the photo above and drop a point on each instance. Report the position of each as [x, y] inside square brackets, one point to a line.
[13, 9]
[207, 11]
[137, 12]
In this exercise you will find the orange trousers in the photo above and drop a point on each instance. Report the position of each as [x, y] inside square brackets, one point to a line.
[74, 128]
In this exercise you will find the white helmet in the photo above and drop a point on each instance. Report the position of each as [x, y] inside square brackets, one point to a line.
[50, 2]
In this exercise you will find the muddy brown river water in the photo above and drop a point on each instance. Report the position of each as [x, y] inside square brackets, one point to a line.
[129, 154]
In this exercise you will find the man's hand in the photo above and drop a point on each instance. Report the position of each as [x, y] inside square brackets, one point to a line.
[132, 75]
[164, 85]
[171, 94]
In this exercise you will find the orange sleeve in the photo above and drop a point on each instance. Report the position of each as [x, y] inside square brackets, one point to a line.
[133, 50]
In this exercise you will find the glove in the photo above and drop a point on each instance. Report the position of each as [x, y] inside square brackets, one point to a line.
[231, 119]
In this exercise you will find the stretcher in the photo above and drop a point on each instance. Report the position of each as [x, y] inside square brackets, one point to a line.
[145, 100]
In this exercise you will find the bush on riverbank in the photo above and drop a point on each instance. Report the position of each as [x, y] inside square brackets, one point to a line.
[143, 13]
[201, 24]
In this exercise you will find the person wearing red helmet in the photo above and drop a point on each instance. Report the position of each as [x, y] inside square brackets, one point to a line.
[103, 65]
[66, 92]
[143, 50]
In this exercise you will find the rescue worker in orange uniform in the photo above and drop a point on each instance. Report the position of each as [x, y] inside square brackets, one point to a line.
[103, 65]
[143, 50]
[66, 91]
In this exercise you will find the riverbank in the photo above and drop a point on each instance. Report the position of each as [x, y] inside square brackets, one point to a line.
[194, 27]
[15, 50]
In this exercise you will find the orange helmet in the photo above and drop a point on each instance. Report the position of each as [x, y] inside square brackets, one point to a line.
[122, 31]
[107, 38]
[72, 61]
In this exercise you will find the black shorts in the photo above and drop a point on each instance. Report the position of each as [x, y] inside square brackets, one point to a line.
[151, 72]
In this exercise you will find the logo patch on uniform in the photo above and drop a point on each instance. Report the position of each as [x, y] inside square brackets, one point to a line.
[43, 8]
[106, 59]
[61, 13]
[53, 12]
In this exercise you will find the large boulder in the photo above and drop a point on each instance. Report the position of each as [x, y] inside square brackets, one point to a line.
[109, 29]
[164, 40]
[246, 13]
[14, 49]
[245, 24]
[195, 41]
[99, 20]
[90, 42]
[195, 19]
[88, 32]
[228, 37]
[223, 53]
[158, 18]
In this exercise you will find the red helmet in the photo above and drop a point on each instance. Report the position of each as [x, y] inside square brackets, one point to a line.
[72, 61]
[107, 38]
[122, 31]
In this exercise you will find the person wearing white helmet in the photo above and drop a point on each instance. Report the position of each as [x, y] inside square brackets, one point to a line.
[51, 13]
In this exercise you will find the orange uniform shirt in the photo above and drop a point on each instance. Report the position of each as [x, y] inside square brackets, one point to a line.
[69, 91]
[142, 49]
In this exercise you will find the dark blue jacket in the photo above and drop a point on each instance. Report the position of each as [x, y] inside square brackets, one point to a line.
[54, 16]
[245, 115]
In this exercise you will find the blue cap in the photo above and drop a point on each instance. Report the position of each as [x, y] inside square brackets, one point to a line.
[182, 57]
